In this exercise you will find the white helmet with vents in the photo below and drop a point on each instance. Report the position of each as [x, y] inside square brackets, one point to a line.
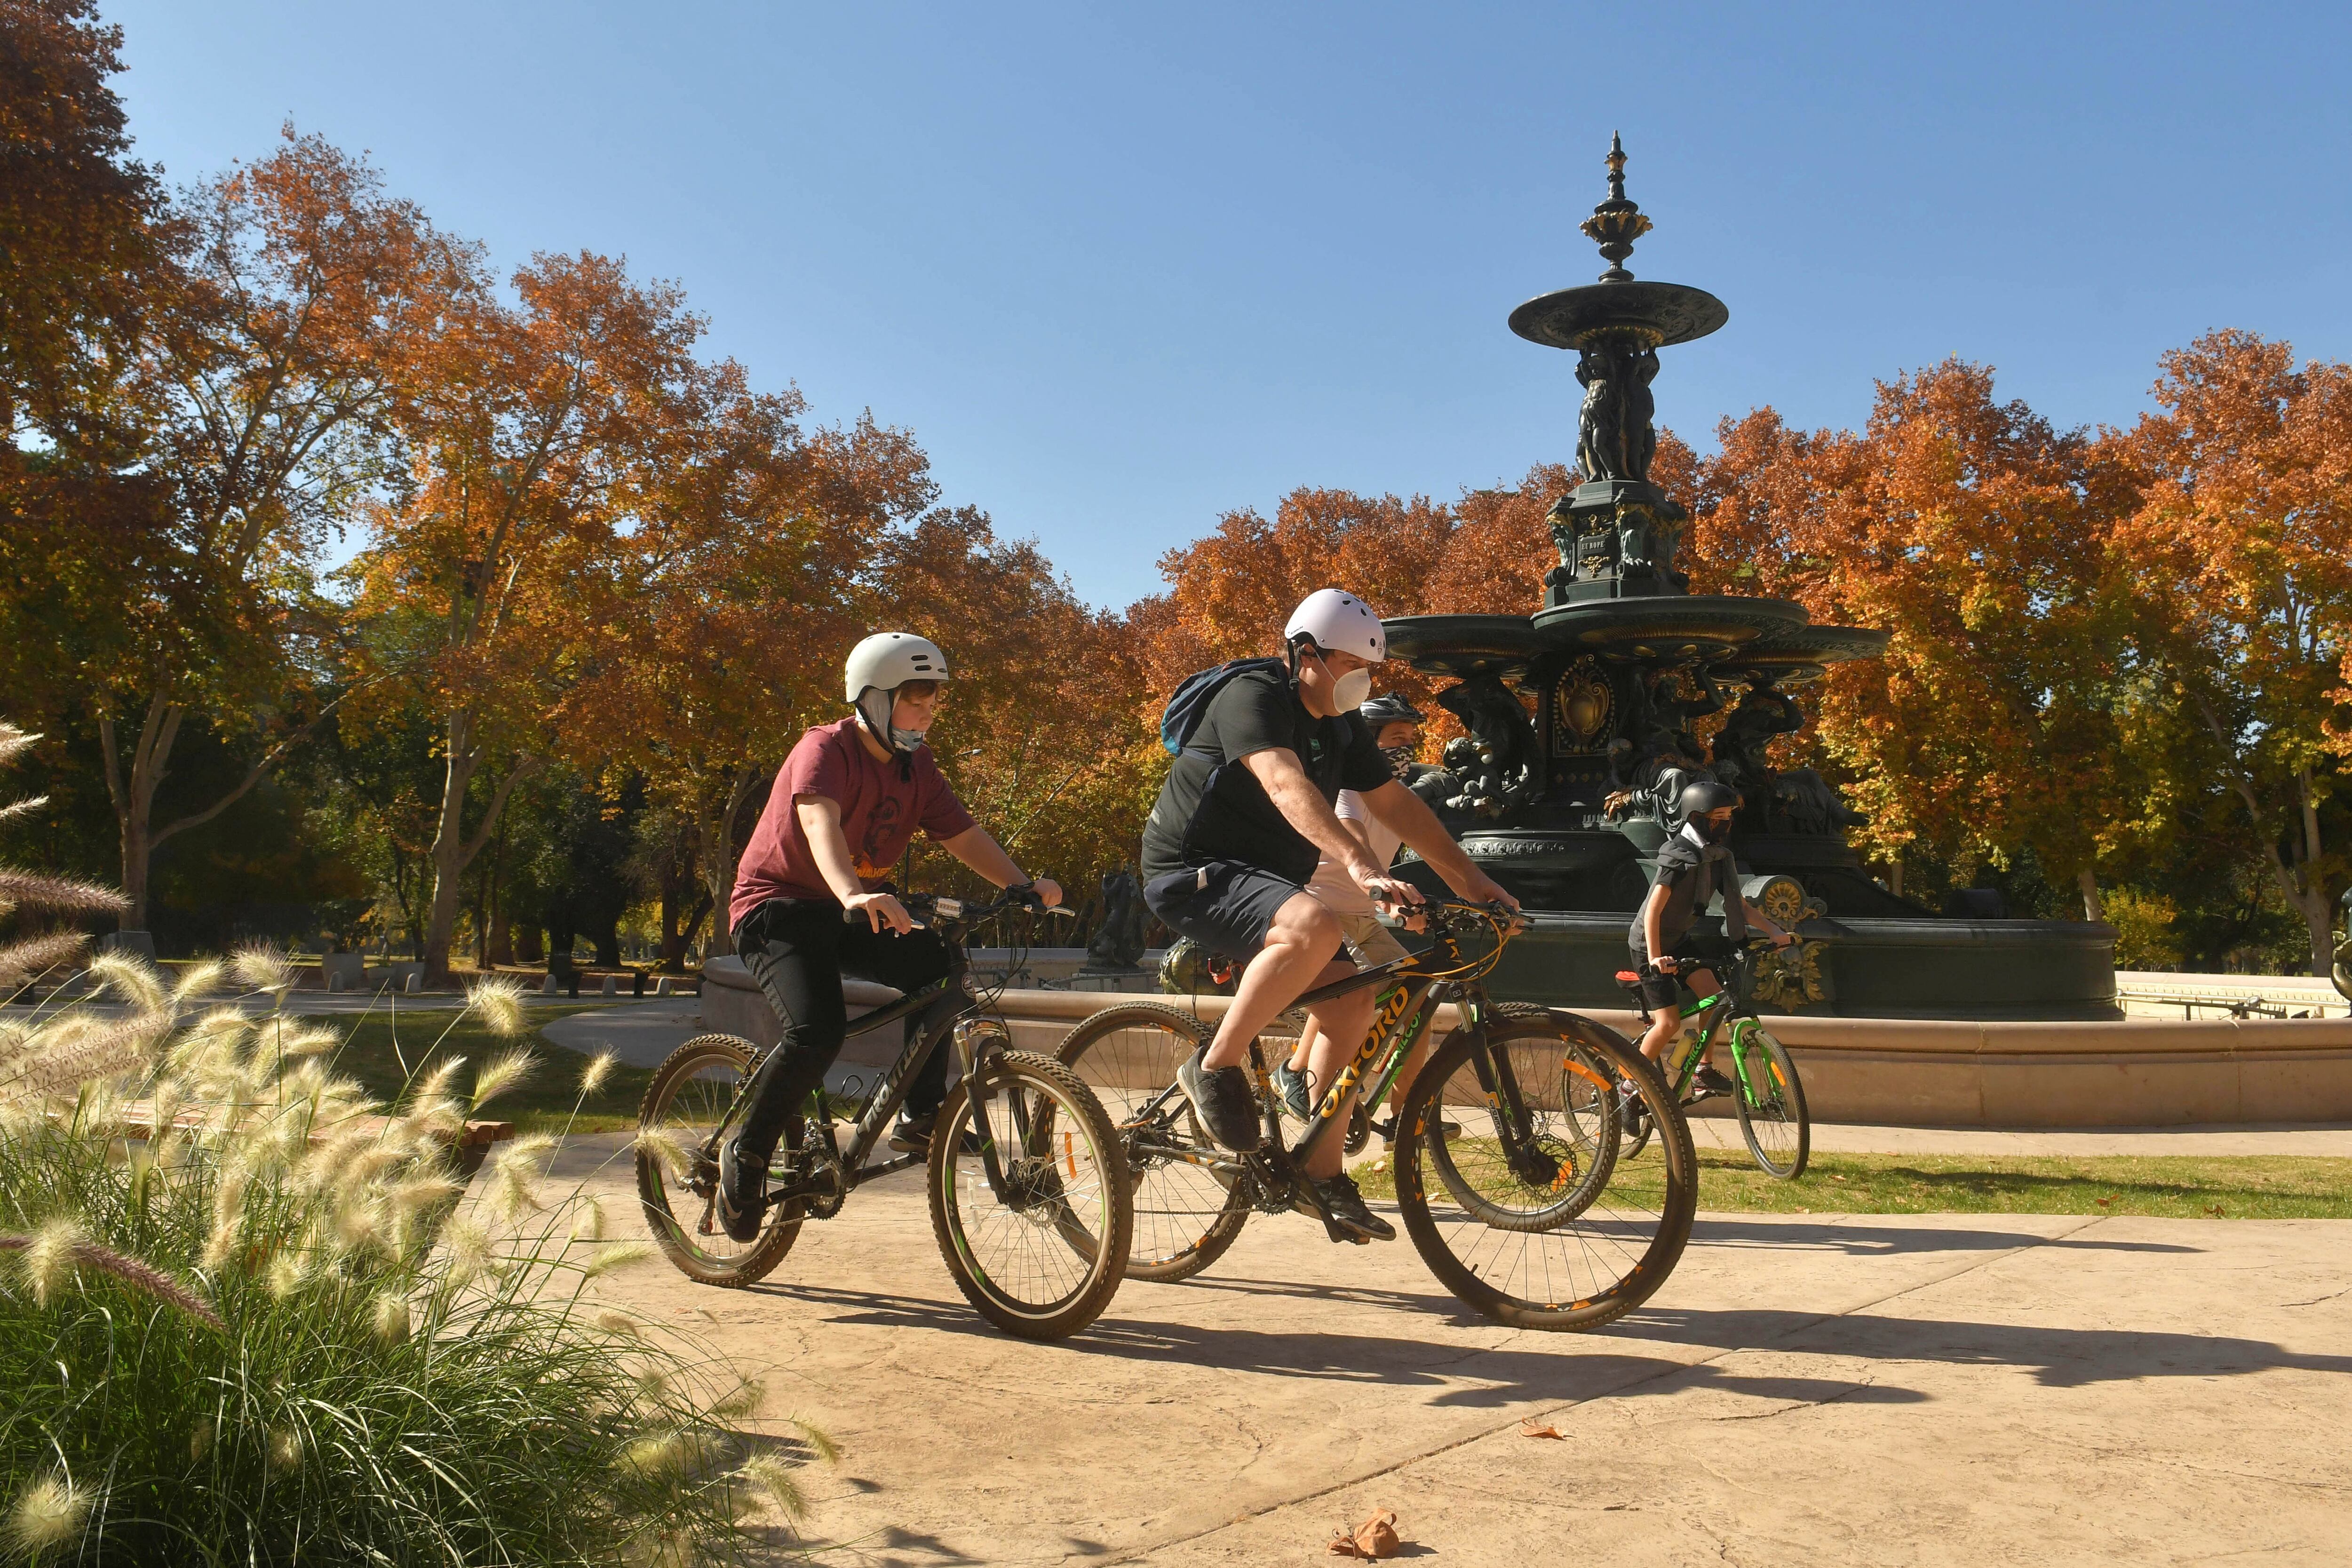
[881, 664]
[1339, 622]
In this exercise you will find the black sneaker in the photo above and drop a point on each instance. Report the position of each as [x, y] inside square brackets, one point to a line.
[1291, 1085]
[1220, 1097]
[742, 1193]
[1345, 1208]
[912, 1135]
[1446, 1128]
[1706, 1080]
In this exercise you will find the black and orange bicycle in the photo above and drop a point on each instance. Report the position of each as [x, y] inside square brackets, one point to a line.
[1508, 1167]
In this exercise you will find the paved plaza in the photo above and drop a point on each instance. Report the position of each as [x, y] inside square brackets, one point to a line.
[1963, 1389]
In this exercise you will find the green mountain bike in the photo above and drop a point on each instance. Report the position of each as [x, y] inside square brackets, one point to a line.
[1766, 1093]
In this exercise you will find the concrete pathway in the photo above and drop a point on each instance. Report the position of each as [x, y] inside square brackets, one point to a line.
[1962, 1389]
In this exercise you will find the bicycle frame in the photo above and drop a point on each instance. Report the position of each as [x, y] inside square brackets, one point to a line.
[1729, 1004]
[897, 1078]
[1403, 1011]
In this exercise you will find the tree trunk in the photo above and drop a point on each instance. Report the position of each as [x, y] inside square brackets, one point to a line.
[717, 835]
[2311, 904]
[452, 850]
[448, 852]
[2094, 909]
[133, 795]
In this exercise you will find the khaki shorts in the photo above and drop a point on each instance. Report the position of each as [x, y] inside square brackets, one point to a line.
[1372, 942]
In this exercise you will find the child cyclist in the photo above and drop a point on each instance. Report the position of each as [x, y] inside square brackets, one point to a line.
[844, 805]
[1694, 865]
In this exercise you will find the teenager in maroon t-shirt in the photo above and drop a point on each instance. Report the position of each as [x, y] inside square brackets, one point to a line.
[845, 806]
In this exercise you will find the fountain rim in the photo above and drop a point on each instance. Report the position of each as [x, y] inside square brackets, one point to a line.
[1656, 314]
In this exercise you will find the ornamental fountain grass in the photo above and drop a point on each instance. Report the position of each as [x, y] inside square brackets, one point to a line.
[1580, 736]
[284, 1330]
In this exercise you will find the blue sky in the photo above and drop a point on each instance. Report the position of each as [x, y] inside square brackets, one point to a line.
[1122, 268]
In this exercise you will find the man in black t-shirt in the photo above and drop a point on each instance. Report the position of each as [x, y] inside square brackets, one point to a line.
[1235, 837]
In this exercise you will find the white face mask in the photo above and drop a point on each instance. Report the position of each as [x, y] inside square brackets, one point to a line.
[1352, 689]
[878, 705]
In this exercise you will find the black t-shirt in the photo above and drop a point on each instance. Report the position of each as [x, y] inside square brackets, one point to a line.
[1692, 877]
[1214, 808]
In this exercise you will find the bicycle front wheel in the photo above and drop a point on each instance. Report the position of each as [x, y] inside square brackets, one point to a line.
[1771, 1103]
[677, 1167]
[1527, 1209]
[1040, 1253]
[1185, 1215]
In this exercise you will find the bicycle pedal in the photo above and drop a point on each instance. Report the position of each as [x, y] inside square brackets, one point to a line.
[1338, 1232]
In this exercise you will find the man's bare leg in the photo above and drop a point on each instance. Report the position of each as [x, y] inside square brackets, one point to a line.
[1344, 1021]
[1298, 948]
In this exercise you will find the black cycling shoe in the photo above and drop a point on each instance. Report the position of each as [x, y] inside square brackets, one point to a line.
[1706, 1080]
[1343, 1206]
[912, 1135]
[1220, 1097]
[1446, 1128]
[742, 1193]
[1291, 1085]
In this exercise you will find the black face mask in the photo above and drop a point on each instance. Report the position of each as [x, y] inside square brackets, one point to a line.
[1709, 831]
[1400, 758]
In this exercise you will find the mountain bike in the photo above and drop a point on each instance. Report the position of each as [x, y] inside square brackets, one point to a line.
[1027, 1177]
[1766, 1094]
[1506, 1165]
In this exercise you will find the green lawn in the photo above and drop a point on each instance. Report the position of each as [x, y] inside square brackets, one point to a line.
[2249, 1186]
[384, 1052]
[2252, 1187]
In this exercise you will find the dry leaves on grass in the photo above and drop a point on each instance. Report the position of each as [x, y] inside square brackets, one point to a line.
[1529, 1429]
[1376, 1537]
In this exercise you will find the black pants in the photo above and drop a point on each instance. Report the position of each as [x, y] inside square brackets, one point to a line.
[798, 950]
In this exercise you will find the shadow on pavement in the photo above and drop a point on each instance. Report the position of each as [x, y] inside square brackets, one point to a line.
[2058, 1358]
[1577, 1369]
[1888, 1241]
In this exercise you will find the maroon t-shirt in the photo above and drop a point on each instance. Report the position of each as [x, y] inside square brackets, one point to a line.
[881, 804]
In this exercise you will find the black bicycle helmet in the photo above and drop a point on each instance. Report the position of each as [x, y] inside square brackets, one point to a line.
[1389, 709]
[1702, 795]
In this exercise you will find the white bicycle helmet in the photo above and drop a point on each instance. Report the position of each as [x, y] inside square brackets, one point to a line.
[1339, 622]
[881, 664]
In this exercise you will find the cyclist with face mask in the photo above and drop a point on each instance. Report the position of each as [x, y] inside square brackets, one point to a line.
[1694, 866]
[1233, 839]
[844, 807]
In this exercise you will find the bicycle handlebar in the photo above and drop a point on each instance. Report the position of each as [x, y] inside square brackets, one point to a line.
[940, 906]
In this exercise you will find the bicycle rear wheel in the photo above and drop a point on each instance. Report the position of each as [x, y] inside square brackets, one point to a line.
[1042, 1256]
[1770, 1101]
[677, 1170]
[1185, 1215]
[1531, 1212]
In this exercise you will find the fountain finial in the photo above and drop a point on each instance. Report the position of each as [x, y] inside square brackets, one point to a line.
[1616, 223]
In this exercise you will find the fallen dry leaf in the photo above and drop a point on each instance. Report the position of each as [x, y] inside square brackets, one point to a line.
[1376, 1537]
[1529, 1429]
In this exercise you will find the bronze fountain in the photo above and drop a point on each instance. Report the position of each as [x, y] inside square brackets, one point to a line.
[1578, 721]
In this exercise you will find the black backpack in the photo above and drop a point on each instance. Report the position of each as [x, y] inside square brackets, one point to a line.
[1191, 702]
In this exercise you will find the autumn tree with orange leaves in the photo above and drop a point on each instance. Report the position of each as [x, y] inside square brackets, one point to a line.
[499, 579]
[2007, 709]
[2240, 557]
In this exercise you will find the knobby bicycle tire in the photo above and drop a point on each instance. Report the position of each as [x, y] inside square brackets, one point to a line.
[659, 1183]
[1777, 1129]
[1050, 1225]
[1586, 1269]
[1185, 1216]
